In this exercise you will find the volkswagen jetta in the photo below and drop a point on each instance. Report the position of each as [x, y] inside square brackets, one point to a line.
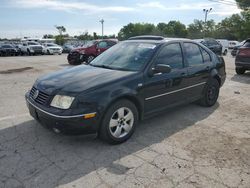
[132, 80]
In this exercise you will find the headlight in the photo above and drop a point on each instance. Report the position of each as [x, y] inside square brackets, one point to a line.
[62, 102]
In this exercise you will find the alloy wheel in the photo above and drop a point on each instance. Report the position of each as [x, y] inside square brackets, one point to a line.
[121, 122]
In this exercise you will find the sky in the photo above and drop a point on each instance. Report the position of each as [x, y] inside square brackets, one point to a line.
[34, 18]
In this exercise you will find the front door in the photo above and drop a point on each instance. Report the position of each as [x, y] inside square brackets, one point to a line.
[165, 90]
[101, 47]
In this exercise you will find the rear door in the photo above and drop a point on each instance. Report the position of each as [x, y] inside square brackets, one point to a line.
[199, 66]
[165, 90]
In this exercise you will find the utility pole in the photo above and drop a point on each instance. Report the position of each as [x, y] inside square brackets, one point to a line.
[102, 21]
[206, 11]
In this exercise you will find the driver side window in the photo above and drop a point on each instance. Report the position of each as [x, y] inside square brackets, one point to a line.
[171, 55]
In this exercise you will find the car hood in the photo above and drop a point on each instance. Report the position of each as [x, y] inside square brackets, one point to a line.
[35, 45]
[54, 47]
[72, 81]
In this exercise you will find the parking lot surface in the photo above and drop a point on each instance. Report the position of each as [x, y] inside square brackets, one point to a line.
[190, 146]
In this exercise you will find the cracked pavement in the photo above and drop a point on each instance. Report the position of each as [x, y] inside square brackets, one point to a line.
[189, 146]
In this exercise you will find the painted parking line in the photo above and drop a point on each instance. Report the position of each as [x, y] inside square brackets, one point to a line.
[13, 116]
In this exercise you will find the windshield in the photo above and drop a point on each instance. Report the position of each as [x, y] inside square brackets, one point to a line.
[51, 45]
[128, 56]
[88, 44]
[33, 43]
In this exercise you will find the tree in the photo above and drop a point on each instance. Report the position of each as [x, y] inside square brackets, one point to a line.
[243, 4]
[48, 36]
[61, 29]
[175, 29]
[196, 29]
[131, 30]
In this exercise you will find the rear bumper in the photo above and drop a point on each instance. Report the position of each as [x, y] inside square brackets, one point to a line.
[75, 124]
[244, 65]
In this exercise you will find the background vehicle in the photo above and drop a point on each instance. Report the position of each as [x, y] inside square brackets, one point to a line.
[212, 44]
[8, 50]
[232, 44]
[225, 44]
[51, 48]
[133, 80]
[242, 60]
[89, 51]
[31, 48]
[235, 49]
[67, 48]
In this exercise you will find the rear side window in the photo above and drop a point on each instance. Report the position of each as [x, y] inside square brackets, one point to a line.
[247, 44]
[171, 55]
[193, 54]
[206, 56]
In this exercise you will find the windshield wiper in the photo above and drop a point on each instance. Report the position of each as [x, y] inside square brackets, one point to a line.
[102, 66]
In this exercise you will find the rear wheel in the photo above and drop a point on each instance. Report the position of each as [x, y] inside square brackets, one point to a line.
[211, 93]
[119, 122]
[240, 70]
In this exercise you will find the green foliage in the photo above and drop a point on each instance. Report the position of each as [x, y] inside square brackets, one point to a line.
[131, 30]
[235, 27]
[243, 4]
[60, 40]
[172, 29]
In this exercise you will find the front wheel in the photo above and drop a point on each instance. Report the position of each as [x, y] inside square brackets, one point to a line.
[211, 93]
[119, 122]
[90, 58]
[240, 70]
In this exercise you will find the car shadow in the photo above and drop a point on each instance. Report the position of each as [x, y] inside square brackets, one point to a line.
[39, 158]
[244, 78]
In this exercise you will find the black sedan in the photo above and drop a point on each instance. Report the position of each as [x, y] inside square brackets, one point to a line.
[212, 44]
[8, 50]
[133, 80]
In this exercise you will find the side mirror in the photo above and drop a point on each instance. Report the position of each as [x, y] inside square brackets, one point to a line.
[161, 68]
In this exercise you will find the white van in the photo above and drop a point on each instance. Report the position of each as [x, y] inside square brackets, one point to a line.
[225, 45]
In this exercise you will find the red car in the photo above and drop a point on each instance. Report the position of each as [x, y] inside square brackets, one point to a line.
[242, 60]
[89, 51]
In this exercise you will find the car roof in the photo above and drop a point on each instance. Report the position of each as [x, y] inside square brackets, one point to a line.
[155, 39]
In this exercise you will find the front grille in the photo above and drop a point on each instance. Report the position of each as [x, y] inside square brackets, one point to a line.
[37, 48]
[42, 97]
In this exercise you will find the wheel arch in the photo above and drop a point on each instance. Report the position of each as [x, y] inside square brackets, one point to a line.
[128, 97]
[215, 75]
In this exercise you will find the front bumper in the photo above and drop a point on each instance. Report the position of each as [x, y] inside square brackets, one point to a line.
[75, 124]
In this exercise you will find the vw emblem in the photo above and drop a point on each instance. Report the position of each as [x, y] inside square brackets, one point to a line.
[36, 93]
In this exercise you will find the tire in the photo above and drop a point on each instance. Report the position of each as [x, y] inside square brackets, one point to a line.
[240, 70]
[28, 51]
[116, 121]
[90, 58]
[225, 52]
[48, 52]
[210, 93]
